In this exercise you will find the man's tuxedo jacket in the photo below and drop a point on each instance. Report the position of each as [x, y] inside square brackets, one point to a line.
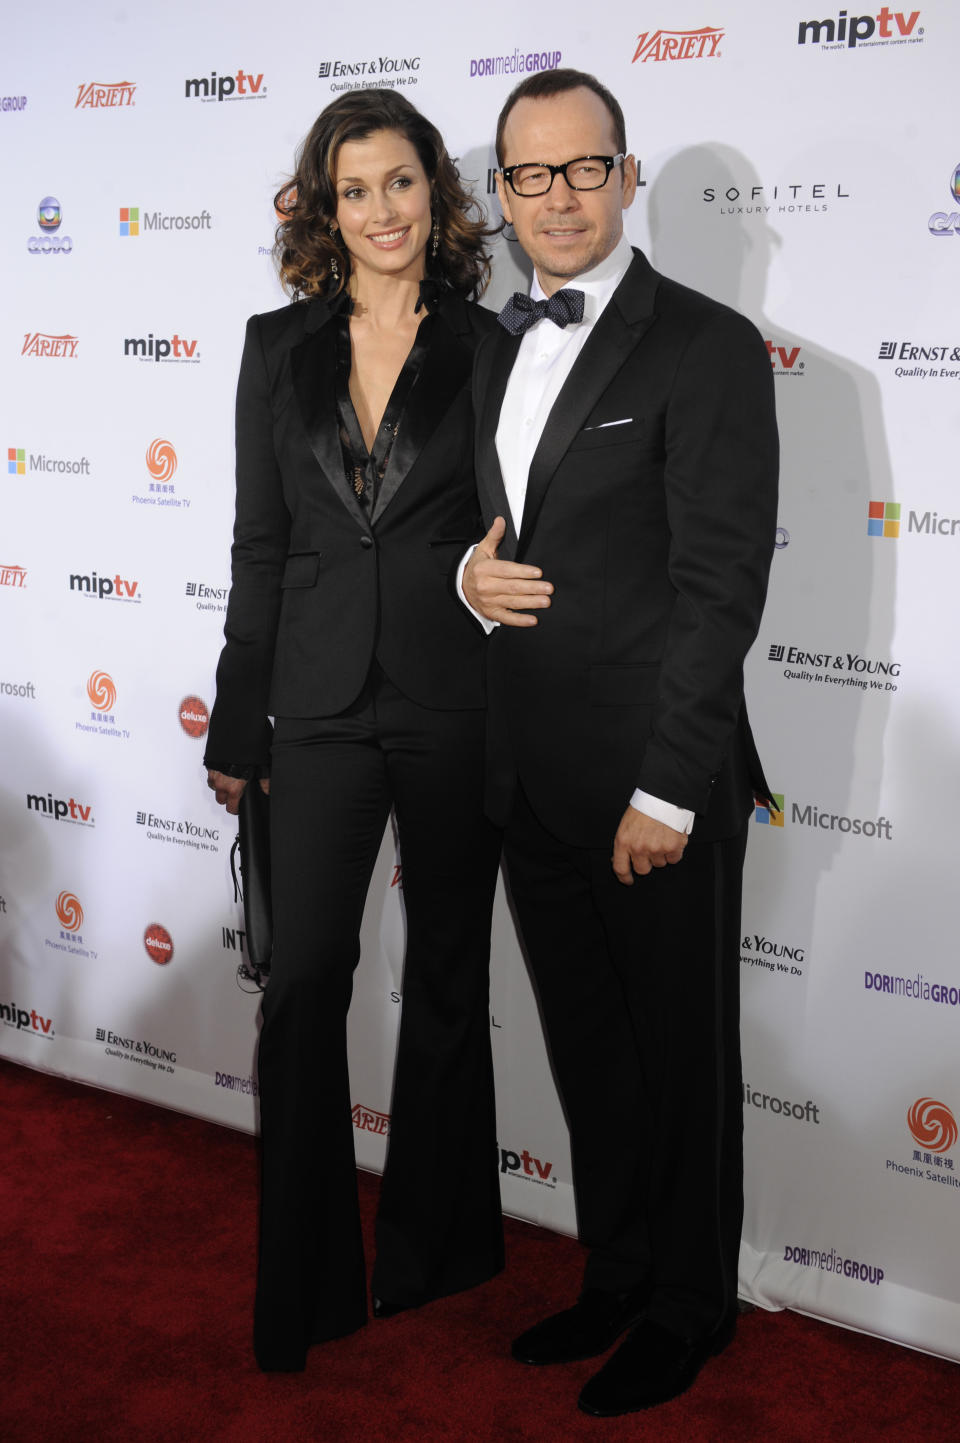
[651, 507]
[321, 587]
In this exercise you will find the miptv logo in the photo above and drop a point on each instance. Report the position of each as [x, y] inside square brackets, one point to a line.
[69, 912]
[932, 1124]
[101, 691]
[161, 460]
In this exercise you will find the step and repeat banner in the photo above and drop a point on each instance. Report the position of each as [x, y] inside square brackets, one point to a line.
[797, 162]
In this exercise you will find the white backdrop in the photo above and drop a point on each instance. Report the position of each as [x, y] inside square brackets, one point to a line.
[805, 172]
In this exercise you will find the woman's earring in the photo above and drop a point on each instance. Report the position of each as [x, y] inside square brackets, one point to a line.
[334, 266]
[435, 242]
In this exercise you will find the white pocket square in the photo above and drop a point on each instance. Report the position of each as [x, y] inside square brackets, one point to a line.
[602, 426]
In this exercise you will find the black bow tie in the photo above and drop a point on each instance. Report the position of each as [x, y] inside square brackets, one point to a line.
[520, 312]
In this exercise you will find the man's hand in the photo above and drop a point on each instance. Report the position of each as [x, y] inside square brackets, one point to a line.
[503, 591]
[229, 790]
[642, 843]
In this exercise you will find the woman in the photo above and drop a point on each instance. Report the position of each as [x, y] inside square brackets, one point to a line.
[355, 501]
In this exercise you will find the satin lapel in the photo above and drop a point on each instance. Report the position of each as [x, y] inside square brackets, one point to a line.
[313, 373]
[621, 325]
[495, 360]
[446, 367]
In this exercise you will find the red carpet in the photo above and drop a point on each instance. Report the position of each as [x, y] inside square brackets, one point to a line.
[126, 1290]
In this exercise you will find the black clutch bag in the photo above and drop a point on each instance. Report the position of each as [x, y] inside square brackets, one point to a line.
[253, 885]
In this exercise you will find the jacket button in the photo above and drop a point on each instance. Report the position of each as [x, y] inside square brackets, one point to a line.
[366, 541]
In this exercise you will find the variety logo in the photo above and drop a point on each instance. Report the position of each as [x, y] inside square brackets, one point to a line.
[785, 360]
[934, 1128]
[940, 223]
[161, 460]
[106, 588]
[516, 64]
[907, 351]
[241, 86]
[767, 815]
[847, 668]
[805, 197]
[61, 811]
[159, 944]
[889, 27]
[194, 716]
[102, 694]
[181, 831]
[365, 1119]
[381, 70]
[17, 463]
[177, 348]
[525, 1166]
[69, 913]
[883, 519]
[96, 95]
[208, 598]
[12, 688]
[19, 1018]
[133, 224]
[40, 343]
[772, 956]
[48, 219]
[13, 576]
[801, 1111]
[834, 1262]
[13, 102]
[678, 44]
[132, 1049]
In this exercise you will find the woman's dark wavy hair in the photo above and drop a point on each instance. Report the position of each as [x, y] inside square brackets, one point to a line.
[307, 204]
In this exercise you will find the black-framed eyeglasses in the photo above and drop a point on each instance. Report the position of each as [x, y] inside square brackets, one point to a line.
[587, 172]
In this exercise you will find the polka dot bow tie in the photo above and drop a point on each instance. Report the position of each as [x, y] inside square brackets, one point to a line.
[520, 312]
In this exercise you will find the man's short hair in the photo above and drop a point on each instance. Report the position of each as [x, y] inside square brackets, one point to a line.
[544, 83]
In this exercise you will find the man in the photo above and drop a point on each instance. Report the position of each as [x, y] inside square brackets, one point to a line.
[627, 470]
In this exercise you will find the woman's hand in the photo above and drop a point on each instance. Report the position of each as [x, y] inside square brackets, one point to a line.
[229, 790]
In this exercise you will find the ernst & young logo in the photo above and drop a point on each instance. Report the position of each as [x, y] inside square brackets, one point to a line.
[17, 463]
[100, 95]
[935, 356]
[242, 86]
[180, 831]
[134, 221]
[42, 343]
[138, 1050]
[106, 588]
[194, 716]
[61, 811]
[944, 223]
[840, 668]
[772, 956]
[889, 27]
[933, 1127]
[702, 44]
[208, 598]
[13, 576]
[150, 348]
[48, 242]
[380, 70]
[158, 944]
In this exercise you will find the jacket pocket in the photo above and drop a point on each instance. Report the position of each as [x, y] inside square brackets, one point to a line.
[623, 685]
[598, 435]
[302, 569]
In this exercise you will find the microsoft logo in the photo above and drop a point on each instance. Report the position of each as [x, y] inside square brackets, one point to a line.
[16, 461]
[770, 816]
[883, 519]
[129, 220]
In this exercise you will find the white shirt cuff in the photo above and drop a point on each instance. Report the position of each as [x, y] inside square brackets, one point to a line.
[487, 625]
[676, 817]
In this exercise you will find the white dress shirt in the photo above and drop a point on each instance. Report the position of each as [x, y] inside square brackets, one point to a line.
[544, 361]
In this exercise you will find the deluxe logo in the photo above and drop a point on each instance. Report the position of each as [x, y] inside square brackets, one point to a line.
[526, 1167]
[13, 102]
[106, 588]
[150, 349]
[846, 668]
[769, 816]
[883, 519]
[102, 693]
[161, 460]
[399, 71]
[678, 44]
[180, 831]
[764, 952]
[242, 86]
[515, 64]
[48, 219]
[932, 1124]
[159, 944]
[907, 351]
[60, 811]
[834, 1262]
[97, 95]
[801, 196]
[194, 716]
[890, 27]
[40, 343]
[132, 223]
[785, 359]
[801, 1111]
[13, 576]
[940, 223]
[13, 1016]
[69, 913]
[365, 1119]
[17, 463]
